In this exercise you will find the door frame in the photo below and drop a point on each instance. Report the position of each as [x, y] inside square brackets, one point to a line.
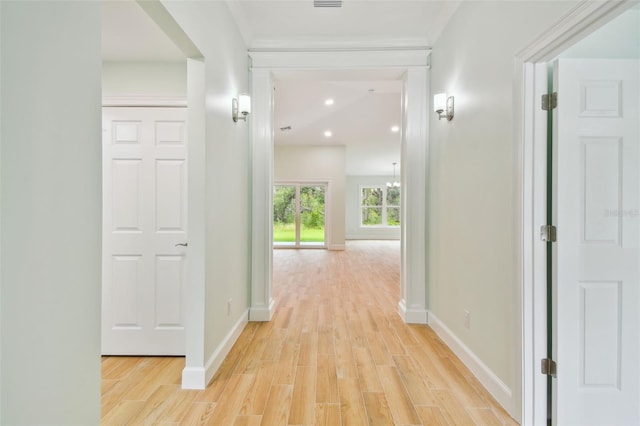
[530, 134]
[327, 207]
[414, 66]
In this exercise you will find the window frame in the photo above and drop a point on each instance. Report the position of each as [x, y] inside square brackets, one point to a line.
[384, 207]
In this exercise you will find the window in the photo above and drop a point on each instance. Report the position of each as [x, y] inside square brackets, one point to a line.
[380, 206]
[298, 215]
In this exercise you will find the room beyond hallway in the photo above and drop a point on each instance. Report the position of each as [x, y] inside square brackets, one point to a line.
[336, 352]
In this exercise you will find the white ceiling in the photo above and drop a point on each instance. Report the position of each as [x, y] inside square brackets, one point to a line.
[359, 119]
[372, 23]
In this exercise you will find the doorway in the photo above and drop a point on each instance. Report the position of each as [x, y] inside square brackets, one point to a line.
[411, 69]
[591, 332]
[144, 169]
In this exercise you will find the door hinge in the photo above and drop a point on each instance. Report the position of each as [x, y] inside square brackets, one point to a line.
[548, 367]
[549, 101]
[548, 233]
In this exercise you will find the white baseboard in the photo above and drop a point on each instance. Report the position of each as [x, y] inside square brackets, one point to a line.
[372, 237]
[412, 316]
[193, 378]
[336, 247]
[199, 377]
[262, 314]
[496, 387]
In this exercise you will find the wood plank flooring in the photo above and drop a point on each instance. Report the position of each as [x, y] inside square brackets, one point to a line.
[335, 353]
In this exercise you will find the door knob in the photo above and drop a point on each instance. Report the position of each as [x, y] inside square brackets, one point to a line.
[182, 244]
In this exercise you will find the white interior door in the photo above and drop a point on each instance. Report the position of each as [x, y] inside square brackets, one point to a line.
[144, 229]
[597, 297]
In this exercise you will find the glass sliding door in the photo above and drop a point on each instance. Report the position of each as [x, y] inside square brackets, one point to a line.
[312, 215]
[284, 215]
[299, 215]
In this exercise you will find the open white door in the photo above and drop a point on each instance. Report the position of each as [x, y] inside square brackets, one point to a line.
[144, 231]
[597, 297]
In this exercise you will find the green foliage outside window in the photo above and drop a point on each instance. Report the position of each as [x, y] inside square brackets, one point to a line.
[380, 206]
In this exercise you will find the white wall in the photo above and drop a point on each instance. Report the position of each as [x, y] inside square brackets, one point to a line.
[157, 79]
[321, 164]
[472, 175]
[353, 229]
[1, 216]
[619, 39]
[51, 210]
[226, 183]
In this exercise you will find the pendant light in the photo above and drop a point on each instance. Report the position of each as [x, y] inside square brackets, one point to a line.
[394, 183]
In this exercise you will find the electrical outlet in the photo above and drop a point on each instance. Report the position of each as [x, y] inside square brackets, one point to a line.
[467, 320]
[229, 306]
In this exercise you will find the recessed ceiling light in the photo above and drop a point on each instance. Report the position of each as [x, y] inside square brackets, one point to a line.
[328, 102]
[395, 129]
[372, 90]
[327, 133]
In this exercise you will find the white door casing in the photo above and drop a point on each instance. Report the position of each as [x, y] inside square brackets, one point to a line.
[144, 223]
[597, 256]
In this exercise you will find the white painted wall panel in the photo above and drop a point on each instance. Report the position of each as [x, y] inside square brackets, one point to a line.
[126, 195]
[472, 174]
[600, 354]
[169, 283]
[212, 29]
[144, 79]
[51, 210]
[171, 195]
[125, 291]
[601, 181]
[170, 133]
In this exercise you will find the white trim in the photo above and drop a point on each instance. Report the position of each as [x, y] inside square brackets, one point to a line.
[198, 377]
[372, 237]
[144, 101]
[262, 152]
[412, 316]
[196, 274]
[496, 387]
[340, 59]
[261, 314]
[336, 247]
[193, 378]
[530, 308]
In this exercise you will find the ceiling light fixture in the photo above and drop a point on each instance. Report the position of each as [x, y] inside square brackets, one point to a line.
[328, 102]
[394, 183]
[327, 133]
[395, 129]
[240, 107]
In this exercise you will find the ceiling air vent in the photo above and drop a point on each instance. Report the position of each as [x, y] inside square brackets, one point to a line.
[327, 3]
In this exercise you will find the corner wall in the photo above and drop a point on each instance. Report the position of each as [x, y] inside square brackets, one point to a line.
[51, 212]
[226, 204]
[472, 178]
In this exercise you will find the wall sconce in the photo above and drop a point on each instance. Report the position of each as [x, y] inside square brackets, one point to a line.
[240, 107]
[443, 104]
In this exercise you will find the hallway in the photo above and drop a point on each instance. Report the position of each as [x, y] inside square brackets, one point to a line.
[336, 352]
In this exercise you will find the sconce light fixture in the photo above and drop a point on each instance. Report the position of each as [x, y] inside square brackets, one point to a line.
[443, 106]
[240, 107]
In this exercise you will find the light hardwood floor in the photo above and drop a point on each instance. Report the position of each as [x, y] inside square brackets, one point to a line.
[335, 353]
